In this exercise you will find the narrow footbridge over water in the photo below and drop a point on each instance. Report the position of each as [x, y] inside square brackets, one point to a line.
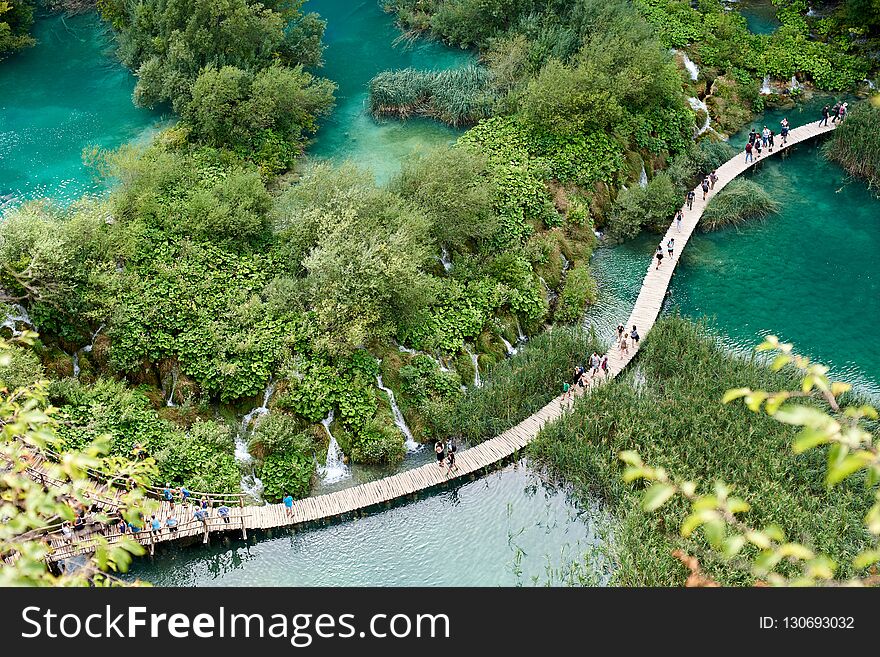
[470, 461]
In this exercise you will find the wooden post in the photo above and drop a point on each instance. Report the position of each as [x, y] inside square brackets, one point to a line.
[243, 528]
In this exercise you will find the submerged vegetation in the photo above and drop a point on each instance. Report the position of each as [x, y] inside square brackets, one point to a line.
[675, 419]
[16, 19]
[738, 202]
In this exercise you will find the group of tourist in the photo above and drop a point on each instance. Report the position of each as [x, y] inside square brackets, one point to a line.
[445, 453]
[836, 113]
[586, 376]
[765, 140]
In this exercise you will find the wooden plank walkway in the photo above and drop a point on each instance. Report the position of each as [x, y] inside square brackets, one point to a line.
[471, 461]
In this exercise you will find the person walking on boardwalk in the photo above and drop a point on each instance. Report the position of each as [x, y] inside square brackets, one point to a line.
[705, 186]
[784, 133]
[749, 156]
[438, 449]
[753, 135]
[451, 447]
[677, 220]
[659, 256]
[624, 349]
[450, 461]
[841, 114]
[770, 141]
[834, 112]
[288, 504]
[223, 512]
[758, 147]
[825, 114]
[620, 331]
[167, 494]
[765, 136]
[713, 178]
[635, 336]
[566, 396]
[594, 364]
[604, 366]
[171, 522]
[689, 199]
[670, 246]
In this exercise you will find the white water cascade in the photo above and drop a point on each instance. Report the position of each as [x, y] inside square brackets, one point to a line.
[794, 85]
[334, 468]
[520, 336]
[478, 382]
[699, 106]
[444, 259]
[643, 177]
[85, 350]
[765, 86]
[692, 69]
[20, 316]
[511, 350]
[412, 352]
[250, 482]
[411, 444]
[175, 374]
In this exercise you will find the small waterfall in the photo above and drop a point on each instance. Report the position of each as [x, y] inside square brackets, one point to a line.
[250, 483]
[643, 177]
[794, 85]
[334, 468]
[412, 352]
[478, 382]
[765, 86]
[511, 350]
[85, 350]
[444, 258]
[870, 84]
[692, 69]
[565, 261]
[175, 374]
[520, 336]
[698, 105]
[411, 444]
[19, 316]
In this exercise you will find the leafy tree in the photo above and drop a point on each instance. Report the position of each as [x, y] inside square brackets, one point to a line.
[16, 19]
[30, 509]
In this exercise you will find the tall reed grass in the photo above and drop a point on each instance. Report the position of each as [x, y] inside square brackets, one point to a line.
[518, 386]
[855, 145]
[458, 96]
[675, 419]
[737, 203]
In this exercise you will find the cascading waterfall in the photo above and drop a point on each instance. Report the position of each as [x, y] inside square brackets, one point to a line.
[520, 336]
[250, 482]
[698, 105]
[765, 86]
[643, 177]
[511, 350]
[411, 444]
[444, 258]
[334, 468]
[794, 85]
[412, 352]
[175, 374]
[20, 316]
[478, 383]
[85, 350]
[692, 69]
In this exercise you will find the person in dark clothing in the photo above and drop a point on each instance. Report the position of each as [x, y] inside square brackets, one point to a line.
[826, 112]
[690, 199]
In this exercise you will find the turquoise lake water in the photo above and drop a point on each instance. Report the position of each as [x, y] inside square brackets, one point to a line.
[361, 42]
[67, 93]
[505, 529]
[760, 15]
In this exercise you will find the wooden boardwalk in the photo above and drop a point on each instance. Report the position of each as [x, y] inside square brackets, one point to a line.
[478, 458]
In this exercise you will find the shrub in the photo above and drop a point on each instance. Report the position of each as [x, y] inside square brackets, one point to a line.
[288, 472]
[855, 145]
[578, 292]
[377, 443]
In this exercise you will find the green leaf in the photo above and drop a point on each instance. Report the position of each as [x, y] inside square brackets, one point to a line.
[866, 558]
[715, 531]
[657, 495]
[630, 458]
[737, 393]
[845, 467]
[809, 438]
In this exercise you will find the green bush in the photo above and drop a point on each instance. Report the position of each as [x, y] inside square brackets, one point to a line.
[377, 443]
[286, 473]
[579, 291]
[19, 367]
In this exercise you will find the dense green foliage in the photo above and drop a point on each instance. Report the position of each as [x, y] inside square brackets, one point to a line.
[855, 145]
[233, 69]
[738, 202]
[16, 19]
[676, 419]
[286, 456]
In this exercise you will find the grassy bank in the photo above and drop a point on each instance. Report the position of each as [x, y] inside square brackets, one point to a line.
[855, 145]
[676, 420]
[517, 387]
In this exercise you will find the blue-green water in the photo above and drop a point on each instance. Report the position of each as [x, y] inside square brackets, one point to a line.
[67, 93]
[807, 274]
[361, 42]
[760, 15]
[507, 528]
